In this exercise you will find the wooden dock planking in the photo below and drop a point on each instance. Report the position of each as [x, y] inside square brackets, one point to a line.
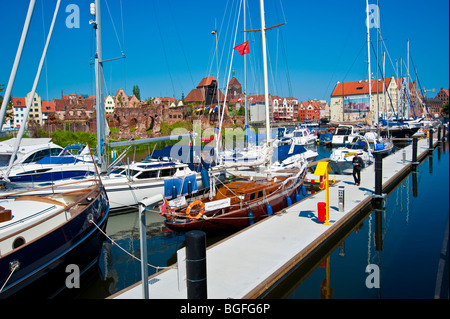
[248, 263]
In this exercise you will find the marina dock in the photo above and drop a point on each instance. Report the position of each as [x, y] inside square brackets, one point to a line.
[249, 263]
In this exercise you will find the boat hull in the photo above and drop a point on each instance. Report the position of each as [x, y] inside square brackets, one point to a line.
[399, 132]
[239, 218]
[43, 262]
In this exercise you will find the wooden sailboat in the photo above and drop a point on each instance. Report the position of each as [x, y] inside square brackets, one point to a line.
[237, 204]
[241, 202]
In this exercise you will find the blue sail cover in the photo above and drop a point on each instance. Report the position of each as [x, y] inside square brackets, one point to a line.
[181, 186]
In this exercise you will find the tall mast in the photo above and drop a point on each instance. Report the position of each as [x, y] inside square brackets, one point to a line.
[408, 109]
[266, 83]
[33, 91]
[368, 56]
[245, 67]
[101, 123]
[16, 62]
[378, 79]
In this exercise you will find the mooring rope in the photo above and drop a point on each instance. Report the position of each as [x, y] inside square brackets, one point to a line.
[131, 255]
[15, 266]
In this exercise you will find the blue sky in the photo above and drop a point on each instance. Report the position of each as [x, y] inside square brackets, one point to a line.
[169, 46]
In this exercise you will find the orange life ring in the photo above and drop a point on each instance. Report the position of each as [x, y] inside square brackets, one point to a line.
[194, 203]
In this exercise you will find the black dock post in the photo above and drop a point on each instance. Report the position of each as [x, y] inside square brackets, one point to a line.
[414, 153]
[439, 133]
[196, 265]
[430, 142]
[378, 174]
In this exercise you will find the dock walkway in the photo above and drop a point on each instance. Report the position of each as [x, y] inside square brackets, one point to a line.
[246, 264]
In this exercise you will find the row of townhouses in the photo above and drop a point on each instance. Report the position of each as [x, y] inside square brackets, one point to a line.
[349, 102]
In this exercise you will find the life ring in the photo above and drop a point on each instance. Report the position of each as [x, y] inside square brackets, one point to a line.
[194, 203]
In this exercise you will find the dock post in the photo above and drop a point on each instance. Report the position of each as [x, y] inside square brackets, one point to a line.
[378, 174]
[414, 152]
[439, 134]
[430, 141]
[196, 265]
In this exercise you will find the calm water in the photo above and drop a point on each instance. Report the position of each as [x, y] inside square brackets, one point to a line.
[412, 230]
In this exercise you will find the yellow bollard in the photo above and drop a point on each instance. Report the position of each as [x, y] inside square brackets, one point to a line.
[322, 170]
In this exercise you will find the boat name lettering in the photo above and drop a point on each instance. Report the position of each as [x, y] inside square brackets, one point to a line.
[223, 203]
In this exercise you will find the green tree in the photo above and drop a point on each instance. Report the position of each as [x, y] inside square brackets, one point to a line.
[137, 92]
[444, 109]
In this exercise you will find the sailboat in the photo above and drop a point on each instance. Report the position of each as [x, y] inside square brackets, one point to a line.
[41, 235]
[244, 201]
[125, 184]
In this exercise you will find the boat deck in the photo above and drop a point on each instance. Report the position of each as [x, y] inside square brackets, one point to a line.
[246, 264]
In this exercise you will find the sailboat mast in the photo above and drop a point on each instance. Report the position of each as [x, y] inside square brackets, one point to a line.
[266, 81]
[33, 92]
[100, 107]
[16, 62]
[378, 79]
[245, 67]
[368, 55]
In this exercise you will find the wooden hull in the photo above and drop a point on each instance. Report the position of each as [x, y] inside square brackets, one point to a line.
[237, 218]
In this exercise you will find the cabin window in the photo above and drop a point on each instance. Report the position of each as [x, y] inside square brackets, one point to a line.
[252, 196]
[260, 194]
[167, 172]
[148, 174]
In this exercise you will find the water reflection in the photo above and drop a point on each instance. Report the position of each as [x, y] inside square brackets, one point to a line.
[401, 236]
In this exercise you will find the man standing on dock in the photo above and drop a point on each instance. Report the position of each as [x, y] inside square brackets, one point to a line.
[357, 166]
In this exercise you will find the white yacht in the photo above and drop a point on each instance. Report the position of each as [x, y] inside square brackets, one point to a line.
[343, 134]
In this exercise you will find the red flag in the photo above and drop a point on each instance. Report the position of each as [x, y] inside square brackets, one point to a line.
[242, 48]
[163, 207]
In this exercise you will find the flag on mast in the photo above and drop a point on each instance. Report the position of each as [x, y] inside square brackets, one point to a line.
[242, 48]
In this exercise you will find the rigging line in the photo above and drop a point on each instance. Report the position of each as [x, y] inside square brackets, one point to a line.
[229, 70]
[181, 44]
[226, 33]
[45, 61]
[118, 40]
[353, 63]
[384, 82]
[230, 50]
[389, 56]
[282, 11]
[163, 46]
[114, 27]
[286, 64]
[121, 19]
[124, 250]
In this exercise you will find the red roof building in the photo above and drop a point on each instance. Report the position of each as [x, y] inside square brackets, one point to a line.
[205, 93]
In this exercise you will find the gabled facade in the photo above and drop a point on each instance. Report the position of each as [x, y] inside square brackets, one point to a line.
[110, 104]
[443, 95]
[35, 114]
[120, 98]
[19, 107]
[47, 108]
[350, 100]
[205, 93]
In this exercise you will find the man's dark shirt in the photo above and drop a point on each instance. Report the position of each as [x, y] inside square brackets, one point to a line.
[359, 161]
